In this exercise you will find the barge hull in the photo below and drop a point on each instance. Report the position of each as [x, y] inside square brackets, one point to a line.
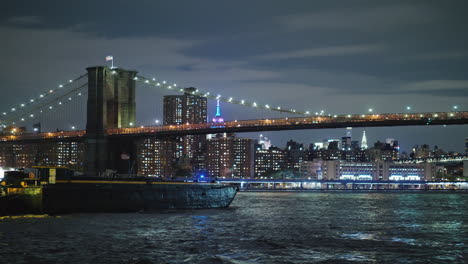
[108, 197]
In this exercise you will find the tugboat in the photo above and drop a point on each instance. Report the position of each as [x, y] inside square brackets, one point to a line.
[56, 190]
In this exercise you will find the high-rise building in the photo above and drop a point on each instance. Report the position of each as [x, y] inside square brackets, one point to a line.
[61, 154]
[230, 157]
[156, 157]
[269, 160]
[188, 108]
[364, 141]
[295, 154]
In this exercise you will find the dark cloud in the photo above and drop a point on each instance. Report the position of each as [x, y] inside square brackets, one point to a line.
[24, 20]
[397, 16]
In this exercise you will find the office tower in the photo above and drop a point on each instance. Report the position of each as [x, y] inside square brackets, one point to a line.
[188, 108]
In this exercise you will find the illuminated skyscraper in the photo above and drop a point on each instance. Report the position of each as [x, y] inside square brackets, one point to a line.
[218, 118]
[364, 140]
[230, 157]
[186, 108]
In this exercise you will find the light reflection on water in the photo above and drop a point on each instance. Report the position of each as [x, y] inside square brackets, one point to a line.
[257, 228]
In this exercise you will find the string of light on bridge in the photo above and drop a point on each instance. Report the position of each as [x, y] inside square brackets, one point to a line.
[39, 98]
[60, 101]
[231, 100]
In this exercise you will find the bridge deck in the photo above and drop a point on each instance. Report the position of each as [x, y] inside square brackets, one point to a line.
[309, 122]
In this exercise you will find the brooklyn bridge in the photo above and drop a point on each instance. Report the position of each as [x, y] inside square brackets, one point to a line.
[112, 133]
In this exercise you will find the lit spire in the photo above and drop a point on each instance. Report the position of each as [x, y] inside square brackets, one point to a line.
[218, 110]
[218, 118]
[364, 141]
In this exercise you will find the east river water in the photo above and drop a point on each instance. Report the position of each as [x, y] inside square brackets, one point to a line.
[265, 227]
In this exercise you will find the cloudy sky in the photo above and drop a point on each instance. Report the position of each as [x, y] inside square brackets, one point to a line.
[338, 56]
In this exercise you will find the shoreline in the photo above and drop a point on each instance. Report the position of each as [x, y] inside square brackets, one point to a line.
[365, 191]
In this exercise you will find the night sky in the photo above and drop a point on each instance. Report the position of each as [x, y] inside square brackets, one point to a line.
[343, 57]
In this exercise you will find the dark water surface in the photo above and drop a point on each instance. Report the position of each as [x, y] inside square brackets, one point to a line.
[258, 228]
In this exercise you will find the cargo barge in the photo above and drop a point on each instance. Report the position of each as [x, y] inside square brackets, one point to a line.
[49, 190]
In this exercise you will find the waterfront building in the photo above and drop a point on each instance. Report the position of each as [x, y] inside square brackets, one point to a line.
[311, 170]
[295, 154]
[379, 170]
[269, 160]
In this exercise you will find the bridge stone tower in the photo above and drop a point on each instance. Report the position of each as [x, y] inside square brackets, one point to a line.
[111, 104]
